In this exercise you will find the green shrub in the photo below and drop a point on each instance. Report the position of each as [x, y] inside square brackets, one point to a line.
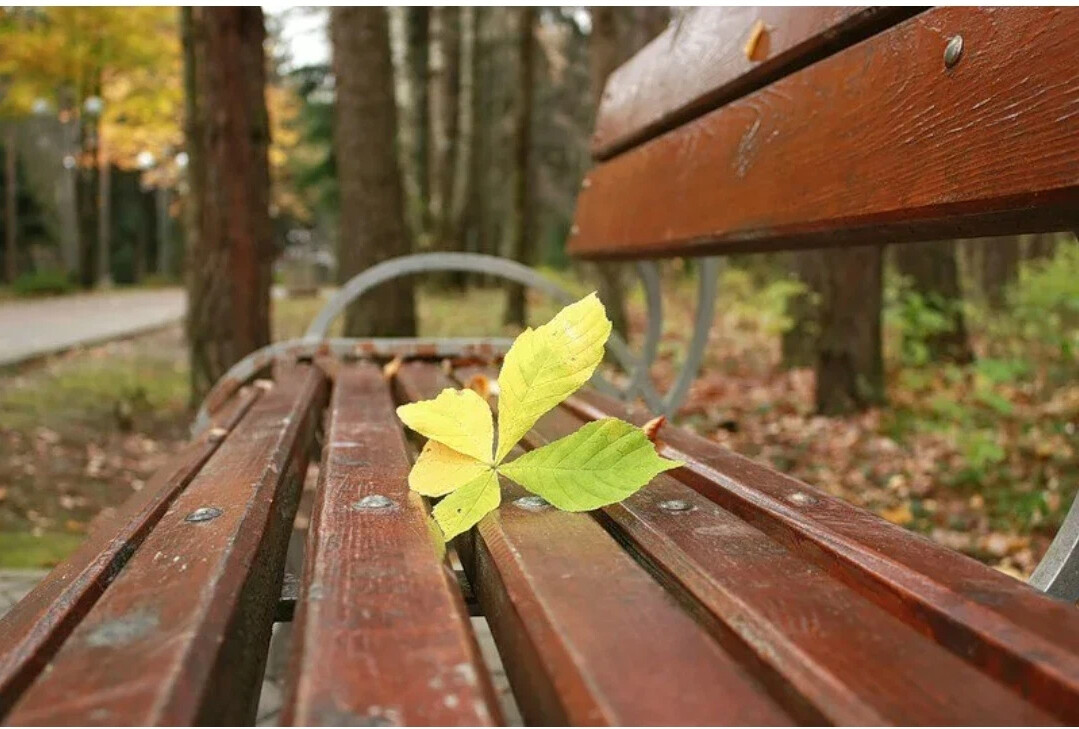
[42, 283]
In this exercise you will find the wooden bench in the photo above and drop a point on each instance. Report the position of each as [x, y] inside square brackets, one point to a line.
[722, 593]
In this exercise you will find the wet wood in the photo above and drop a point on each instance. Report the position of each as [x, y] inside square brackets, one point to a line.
[877, 143]
[586, 634]
[180, 636]
[382, 635]
[33, 630]
[1008, 630]
[712, 55]
[809, 634]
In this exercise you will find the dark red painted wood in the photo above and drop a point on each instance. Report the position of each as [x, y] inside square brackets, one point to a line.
[180, 636]
[32, 631]
[586, 635]
[382, 633]
[879, 143]
[1009, 630]
[812, 635]
[701, 62]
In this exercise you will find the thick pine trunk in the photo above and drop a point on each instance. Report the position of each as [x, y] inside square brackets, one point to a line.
[372, 202]
[850, 369]
[229, 252]
[934, 274]
[1000, 268]
[11, 206]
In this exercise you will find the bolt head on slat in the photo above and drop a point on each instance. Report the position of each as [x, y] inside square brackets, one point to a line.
[801, 498]
[217, 434]
[675, 505]
[206, 513]
[531, 503]
[953, 51]
[373, 502]
[264, 384]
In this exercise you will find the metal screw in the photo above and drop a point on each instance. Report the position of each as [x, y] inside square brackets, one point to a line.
[373, 502]
[800, 498]
[264, 384]
[531, 503]
[586, 183]
[217, 434]
[953, 51]
[574, 230]
[675, 505]
[206, 513]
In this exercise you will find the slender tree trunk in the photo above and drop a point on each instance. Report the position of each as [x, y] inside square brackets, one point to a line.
[605, 55]
[799, 343]
[11, 206]
[450, 149]
[1000, 268]
[417, 63]
[87, 192]
[934, 275]
[104, 220]
[850, 370]
[230, 248]
[522, 142]
[1041, 247]
[467, 158]
[372, 203]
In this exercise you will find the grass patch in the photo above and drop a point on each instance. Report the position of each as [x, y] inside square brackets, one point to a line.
[23, 550]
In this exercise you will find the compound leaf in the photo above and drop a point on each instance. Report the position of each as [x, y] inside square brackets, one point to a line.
[460, 419]
[546, 365]
[463, 508]
[601, 463]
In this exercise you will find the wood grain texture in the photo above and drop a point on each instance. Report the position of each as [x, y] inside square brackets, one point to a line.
[1004, 627]
[811, 636]
[382, 634]
[879, 143]
[180, 636]
[586, 635]
[700, 62]
[33, 630]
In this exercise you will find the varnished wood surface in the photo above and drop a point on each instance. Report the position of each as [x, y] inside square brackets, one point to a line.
[381, 634]
[180, 636]
[712, 55]
[1007, 629]
[32, 631]
[878, 143]
[587, 635]
[807, 633]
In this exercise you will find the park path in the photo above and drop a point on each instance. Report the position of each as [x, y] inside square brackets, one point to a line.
[36, 327]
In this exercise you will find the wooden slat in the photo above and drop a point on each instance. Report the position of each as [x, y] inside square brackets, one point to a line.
[818, 638]
[586, 635]
[180, 636]
[382, 634]
[32, 631]
[879, 143]
[700, 62]
[1010, 631]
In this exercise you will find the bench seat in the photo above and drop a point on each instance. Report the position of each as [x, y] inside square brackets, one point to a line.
[721, 593]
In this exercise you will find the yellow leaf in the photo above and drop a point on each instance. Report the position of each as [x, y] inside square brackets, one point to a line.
[440, 469]
[546, 365]
[459, 419]
[462, 509]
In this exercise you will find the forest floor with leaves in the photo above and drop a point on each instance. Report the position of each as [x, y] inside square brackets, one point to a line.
[980, 458]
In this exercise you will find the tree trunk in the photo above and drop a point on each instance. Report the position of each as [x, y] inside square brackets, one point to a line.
[934, 275]
[467, 159]
[104, 221]
[799, 342]
[605, 55]
[850, 369]
[1040, 247]
[230, 247]
[449, 130]
[87, 191]
[522, 143]
[11, 206]
[1000, 268]
[417, 61]
[372, 206]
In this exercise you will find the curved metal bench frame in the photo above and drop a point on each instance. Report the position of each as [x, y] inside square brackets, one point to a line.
[1057, 574]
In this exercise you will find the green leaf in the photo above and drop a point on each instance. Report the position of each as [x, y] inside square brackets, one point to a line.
[546, 365]
[602, 463]
[459, 419]
[463, 508]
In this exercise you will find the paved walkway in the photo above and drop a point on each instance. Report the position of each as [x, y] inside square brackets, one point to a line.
[32, 328]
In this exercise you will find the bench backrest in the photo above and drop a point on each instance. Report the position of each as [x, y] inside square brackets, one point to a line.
[745, 129]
